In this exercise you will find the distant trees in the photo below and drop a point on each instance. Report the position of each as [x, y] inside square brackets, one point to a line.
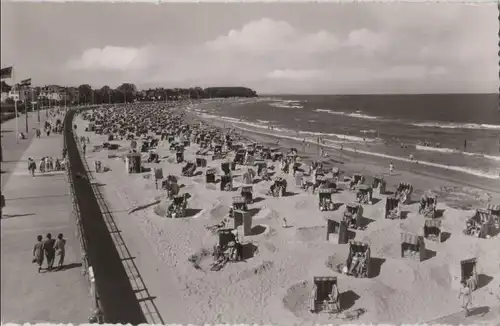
[85, 94]
[128, 92]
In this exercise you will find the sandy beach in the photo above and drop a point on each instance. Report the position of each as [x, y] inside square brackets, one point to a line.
[274, 285]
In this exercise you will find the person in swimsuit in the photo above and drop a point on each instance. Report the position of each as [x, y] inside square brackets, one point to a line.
[466, 295]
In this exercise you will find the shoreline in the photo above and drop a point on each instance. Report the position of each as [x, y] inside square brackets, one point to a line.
[386, 144]
[333, 145]
[380, 161]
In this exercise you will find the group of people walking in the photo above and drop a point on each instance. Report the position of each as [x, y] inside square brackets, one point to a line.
[47, 164]
[49, 249]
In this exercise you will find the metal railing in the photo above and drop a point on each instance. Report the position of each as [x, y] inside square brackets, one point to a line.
[80, 232]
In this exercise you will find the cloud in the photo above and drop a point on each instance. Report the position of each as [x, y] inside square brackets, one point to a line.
[412, 72]
[296, 75]
[266, 36]
[357, 53]
[110, 58]
[368, 40]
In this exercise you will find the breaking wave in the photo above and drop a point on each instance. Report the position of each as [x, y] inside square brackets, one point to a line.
[455, 151]
[352, 115]
[450, 125]
[263, 124]
[495, 175]
[287, 104]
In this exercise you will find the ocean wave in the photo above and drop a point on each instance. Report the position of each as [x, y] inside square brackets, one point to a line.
[339, 136]
[456, 151]
[451, 125]
[352, 115]
[263, 124]
[495, 175]
[287, 104]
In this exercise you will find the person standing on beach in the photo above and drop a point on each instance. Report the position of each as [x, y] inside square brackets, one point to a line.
[59, 246]
[38, 253]
[391, 168]
[466, 295]
[50, 252]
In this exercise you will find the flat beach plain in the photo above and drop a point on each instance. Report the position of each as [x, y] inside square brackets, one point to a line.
[275, 284]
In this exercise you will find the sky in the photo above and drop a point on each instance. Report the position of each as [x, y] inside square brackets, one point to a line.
[273, 48]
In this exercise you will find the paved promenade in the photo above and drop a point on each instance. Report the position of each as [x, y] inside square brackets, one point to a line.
[37, 205]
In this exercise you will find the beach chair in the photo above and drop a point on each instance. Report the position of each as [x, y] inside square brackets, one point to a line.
[353, 215]
[278, 188]
[468, 273]
[392, 208]
[480, 224]
[226, 183]
[239, 203]
[226, 250]
[404, 192]
[358, 260]
[325, 199]
[217, 152]
[177, 207]
[364, 194]
[379, 185]
[225, 167]
[427, 206]
[412, 246]
[339, 228]
[325, 296]
[179, 157]
[247, 193]
[239, 158]
[201, 162]
[188, 170]
[432, 230]
[356, 180]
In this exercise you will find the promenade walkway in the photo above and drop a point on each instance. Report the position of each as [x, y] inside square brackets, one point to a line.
[38, 205]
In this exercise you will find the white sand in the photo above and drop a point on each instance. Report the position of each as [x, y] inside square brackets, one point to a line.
[274, 286]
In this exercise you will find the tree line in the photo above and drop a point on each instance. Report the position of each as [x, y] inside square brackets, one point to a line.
[126, 92]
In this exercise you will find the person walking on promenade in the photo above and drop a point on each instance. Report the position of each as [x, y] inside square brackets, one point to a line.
[84, 148]
[391, 168]
[59, 246]
[466, 295]
[42, 165]
[38, 253]
[31, 166]
[50, 252]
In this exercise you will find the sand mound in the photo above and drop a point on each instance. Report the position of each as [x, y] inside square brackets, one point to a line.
[160, 209]
[462, 197]
[314, 233]
[257, 271]
[265, 213]
[296, 299]
[218, 212]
